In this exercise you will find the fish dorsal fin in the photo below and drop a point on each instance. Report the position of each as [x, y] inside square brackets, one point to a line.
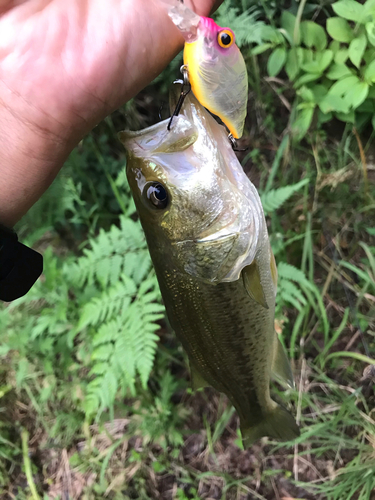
[281, 369]
[197, 381]
[252, 283]
[273, 268]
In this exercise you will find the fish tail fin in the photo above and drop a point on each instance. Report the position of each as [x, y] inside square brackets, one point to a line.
[278, 424]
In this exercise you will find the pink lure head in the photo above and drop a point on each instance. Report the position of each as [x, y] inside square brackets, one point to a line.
[216, 38]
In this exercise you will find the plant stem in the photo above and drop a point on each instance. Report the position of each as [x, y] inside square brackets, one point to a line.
[298, 20]
[27, 464]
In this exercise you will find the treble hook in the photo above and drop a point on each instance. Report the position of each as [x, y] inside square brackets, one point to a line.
[234, 144]
[185, 89]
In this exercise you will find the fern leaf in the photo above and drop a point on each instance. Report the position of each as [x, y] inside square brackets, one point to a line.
[111, 253]
[291, 273]
[108, 304]
[275, 198]
[103, 352]
[99, 369]
[246, 26]
[288, 292]
[106, 333]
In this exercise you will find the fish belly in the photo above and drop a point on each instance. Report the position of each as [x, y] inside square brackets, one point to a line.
[229, 339]
[227, 336]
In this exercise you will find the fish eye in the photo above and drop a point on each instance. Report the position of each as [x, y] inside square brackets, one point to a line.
[157, 194]
[225, 38]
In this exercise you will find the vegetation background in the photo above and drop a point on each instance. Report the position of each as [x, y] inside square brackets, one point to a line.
[94, 390]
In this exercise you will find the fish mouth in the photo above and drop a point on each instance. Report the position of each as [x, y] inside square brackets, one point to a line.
[158, 139]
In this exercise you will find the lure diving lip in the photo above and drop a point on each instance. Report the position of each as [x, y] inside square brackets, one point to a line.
[217, 70]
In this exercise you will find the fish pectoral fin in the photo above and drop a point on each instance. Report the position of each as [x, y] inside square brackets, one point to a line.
[197, 381]
[253, 285]
[278, 424]
[281, 369]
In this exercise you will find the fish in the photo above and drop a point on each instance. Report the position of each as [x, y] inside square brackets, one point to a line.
[216, 68]
[208, 240]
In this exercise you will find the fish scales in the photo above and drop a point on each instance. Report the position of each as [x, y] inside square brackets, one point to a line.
[208, 240]
[213, 336]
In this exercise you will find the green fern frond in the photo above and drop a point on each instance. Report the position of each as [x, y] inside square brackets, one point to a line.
[275, 198]
[113, 252]
[289, 292]
[108, 303]
[245, 25]
[290, 286]
[126, 340]
[288, 272]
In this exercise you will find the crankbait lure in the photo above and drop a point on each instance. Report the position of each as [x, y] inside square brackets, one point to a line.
[216, 69]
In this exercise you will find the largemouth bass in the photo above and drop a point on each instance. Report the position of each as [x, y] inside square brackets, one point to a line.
[216, 68]
[208, 241]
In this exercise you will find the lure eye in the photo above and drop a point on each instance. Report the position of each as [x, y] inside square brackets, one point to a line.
[156, 194]
[225, 38]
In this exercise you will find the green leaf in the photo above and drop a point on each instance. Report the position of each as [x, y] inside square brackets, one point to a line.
[261, 48]
[295, 58]
[357, 48]
[319, 92]
[306, 94]
[322, 61]
[356, 94]
[362, 118]
[369, 55]
[275, 198]
[307, 55]
[313, 35]
[288, 22]
[324, 117]
[346, 117]
[267, 33]
[334, 46]
[350, 9]
[369, 73]
[368, 106]
[307, 78]
[338, 71]
[373, 122]
[333, 103]
[370, 28]
[341, 56]
[339, 29]
[293, 63]
[302, 123]
[276, 61]
[341, 86]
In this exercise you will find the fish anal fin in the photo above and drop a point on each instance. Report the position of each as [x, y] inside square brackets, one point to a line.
[281, 369]
[197, 381]
[278, 424]
[253, 285]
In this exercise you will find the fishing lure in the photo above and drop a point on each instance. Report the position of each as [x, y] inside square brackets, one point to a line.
[215, 66]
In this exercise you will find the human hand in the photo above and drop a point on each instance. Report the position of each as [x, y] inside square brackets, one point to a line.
[64, 66]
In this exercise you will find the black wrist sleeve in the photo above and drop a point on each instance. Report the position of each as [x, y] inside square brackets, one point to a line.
[20, 266]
